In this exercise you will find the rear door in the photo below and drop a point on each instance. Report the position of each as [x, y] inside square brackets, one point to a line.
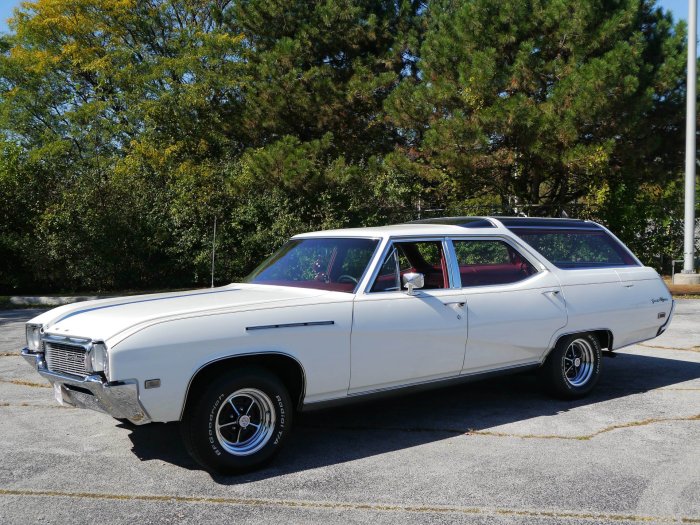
[514, 307]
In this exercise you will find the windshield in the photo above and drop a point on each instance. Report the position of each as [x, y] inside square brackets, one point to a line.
[327, 264]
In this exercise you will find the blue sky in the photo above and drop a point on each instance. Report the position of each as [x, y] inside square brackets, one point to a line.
[679, 8]
[6, 7]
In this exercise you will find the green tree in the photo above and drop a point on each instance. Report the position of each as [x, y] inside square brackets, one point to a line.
[145, 119]
[131, 105]
[128, 126]
[540, 102]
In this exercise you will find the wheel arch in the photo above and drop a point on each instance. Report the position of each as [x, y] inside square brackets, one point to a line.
[604, 336]
[287, 368]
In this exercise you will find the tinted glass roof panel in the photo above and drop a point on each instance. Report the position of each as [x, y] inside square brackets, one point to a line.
[467, 222]
[537, 222]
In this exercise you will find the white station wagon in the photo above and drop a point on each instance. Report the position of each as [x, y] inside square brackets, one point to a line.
[338, 316]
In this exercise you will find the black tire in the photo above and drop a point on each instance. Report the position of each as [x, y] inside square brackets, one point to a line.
[238, 446]
[564, 375]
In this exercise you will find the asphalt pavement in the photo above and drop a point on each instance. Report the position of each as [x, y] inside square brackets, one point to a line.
[494, 452]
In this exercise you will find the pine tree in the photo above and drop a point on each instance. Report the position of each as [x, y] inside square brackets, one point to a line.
[542, 102]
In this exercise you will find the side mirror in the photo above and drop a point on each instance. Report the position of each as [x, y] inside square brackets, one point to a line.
[413, 281]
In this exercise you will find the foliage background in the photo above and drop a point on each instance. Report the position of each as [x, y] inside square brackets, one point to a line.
[129, 125]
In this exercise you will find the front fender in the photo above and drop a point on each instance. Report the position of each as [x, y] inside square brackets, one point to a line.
[174, 350]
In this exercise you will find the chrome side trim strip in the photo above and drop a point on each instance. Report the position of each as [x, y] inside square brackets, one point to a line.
[465, 375]
[359, 397]
[288, 325]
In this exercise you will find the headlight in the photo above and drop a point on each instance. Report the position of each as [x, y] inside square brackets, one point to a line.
[99, 360]
[33, 337]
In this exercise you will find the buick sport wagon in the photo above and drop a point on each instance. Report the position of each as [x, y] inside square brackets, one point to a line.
[342, 315]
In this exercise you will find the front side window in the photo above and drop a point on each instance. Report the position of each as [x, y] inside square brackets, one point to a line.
[426, 257]
[576, 248]
[488, 262]
[326, 264]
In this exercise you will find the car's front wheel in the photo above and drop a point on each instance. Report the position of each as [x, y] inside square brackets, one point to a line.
[572, 369]
[239, 422]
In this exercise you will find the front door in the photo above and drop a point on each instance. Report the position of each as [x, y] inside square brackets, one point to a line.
[399, 339]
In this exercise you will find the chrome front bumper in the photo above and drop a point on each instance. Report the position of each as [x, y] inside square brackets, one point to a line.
[119, 399]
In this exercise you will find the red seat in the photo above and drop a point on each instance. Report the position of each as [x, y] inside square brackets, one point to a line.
[485, 274]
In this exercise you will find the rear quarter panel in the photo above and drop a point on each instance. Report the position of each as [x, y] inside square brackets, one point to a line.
[648, 304]
[619, 300]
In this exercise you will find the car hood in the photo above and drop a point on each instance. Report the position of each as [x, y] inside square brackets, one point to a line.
[106, 318]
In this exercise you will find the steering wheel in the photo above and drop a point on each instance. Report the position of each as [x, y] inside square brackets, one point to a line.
[345, 278]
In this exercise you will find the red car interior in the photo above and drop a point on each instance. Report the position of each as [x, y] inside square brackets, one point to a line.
[484, 274]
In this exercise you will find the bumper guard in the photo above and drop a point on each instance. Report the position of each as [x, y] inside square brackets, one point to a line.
[119, 399]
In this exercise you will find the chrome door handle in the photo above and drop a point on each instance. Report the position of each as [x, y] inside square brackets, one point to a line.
[553, 292]
[628, 285]
[458, 303]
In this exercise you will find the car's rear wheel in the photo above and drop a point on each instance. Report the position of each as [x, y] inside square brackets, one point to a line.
[239, 422]
[572, 369]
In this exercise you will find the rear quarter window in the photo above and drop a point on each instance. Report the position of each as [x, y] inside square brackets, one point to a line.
[569, 249]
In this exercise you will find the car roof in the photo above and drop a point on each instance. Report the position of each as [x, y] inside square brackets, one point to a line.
[455, 226]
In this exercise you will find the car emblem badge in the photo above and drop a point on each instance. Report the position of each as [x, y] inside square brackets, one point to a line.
[244, 421]
[577, 362]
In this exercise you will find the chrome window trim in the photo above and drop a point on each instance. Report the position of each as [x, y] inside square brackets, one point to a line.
[523, 250]
[443, 239]
[536, 264]
[388, 248]
[397, 268]
[623, 245]
[453, 264]
[600, 228]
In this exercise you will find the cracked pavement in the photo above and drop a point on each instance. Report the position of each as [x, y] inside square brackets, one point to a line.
[497, 451]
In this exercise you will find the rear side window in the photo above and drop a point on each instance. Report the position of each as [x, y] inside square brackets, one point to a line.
[576, 248]
[488, 262]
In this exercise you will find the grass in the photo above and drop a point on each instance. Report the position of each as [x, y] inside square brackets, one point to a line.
[7, 304]
[682, 291]
[678, 291]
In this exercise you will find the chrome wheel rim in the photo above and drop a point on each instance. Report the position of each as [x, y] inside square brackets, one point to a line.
[245, 421]
[578, 362]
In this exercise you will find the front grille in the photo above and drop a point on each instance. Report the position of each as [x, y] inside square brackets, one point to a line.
[65, 358]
